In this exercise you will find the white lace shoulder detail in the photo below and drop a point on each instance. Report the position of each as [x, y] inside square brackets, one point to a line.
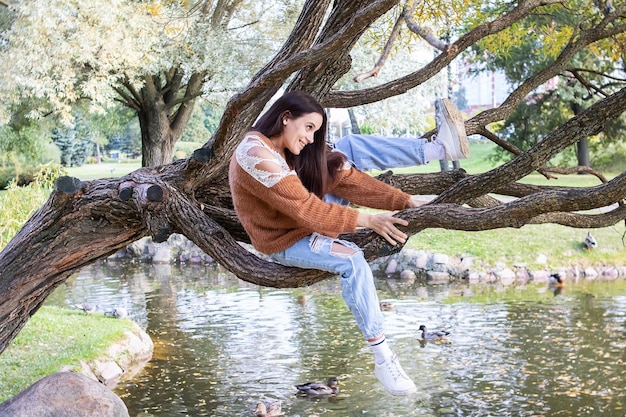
[253, 152]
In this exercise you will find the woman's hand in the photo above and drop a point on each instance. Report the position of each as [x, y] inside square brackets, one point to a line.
[415, 201]
[384, 225]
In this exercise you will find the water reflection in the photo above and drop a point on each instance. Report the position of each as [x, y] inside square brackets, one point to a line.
[221, 344]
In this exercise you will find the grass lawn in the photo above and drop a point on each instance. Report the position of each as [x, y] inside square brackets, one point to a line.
[103, 170]
[54, 338]
[561, 245]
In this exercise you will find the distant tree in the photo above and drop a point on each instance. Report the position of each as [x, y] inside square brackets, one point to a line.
[74, 149]
[590, 74]
[156, 58]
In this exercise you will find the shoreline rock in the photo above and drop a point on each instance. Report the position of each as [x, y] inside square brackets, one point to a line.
[409, 263]
[66, 394]
[86, 388]
[121, 361]
[440, 268]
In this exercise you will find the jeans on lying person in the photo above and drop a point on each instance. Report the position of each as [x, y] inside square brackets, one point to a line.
[367, 152]
[357, 282]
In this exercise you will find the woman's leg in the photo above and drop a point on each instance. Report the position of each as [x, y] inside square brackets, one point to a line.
[359, 293]
[346, 259]
[367, 152]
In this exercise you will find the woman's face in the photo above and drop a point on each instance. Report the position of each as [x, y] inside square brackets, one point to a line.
[297, 133]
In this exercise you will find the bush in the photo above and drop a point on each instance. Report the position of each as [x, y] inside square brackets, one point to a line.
[184, 150]
[20, 178]
[18, 203]
[26, 175]
[610, 159]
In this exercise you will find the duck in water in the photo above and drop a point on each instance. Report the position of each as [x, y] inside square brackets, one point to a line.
[434, 334]
[316, 389]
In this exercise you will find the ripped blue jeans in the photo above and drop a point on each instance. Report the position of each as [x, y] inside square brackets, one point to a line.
[357, 281]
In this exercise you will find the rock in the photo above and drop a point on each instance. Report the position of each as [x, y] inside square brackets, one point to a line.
[522, 276]
[466, 263]
[489, 277]
[541, 259]
[391, 267]
[162, 254]
[474, 277]
[408, 275]
[109, 372]
[421, 261]
[441, 259]
[65, 394]
[540, 276]
[610, 273]
[591, 273]
[506, 276]
[435, 277]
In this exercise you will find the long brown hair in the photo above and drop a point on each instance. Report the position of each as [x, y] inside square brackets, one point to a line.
[316, 167]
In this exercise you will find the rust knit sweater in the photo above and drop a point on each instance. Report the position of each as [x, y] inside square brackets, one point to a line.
[277, 216]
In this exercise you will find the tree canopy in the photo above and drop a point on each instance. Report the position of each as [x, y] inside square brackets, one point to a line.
[85, 221]
[155, 58]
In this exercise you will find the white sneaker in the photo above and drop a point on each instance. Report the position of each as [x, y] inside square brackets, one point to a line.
[393, 378]
[451, 130]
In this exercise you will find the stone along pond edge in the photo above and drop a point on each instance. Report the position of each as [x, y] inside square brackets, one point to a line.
[409, 264]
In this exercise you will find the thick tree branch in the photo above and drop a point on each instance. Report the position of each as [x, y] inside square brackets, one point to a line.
[345, 99]
[245, 106]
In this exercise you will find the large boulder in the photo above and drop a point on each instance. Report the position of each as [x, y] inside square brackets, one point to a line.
[65, 394]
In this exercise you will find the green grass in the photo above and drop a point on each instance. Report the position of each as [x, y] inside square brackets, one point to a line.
[478, 162]
[562, 245]
[54, 338]
[103, 170]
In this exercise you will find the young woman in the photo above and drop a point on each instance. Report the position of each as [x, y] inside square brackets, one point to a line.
[279, 175]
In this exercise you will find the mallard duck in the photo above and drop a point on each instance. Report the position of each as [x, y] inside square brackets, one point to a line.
[386, 305]
[590, 242]
[117, 312]
[267, 408]
[330, 387]
[555, 280]
[433, 335]
[88, 308]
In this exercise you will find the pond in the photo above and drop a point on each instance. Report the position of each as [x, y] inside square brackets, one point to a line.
[222, 344]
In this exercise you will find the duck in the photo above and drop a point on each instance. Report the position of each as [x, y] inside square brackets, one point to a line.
[315, 389]
[556, 281]
[386, 305]
[117, 312]
[268, 408]
[433, 335]
[88, 308]
[590, 242]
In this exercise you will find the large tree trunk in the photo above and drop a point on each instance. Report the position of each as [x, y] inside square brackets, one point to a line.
[83, 222]
[163, 109]
[582, 153]
[157, 139]
[582, 146]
